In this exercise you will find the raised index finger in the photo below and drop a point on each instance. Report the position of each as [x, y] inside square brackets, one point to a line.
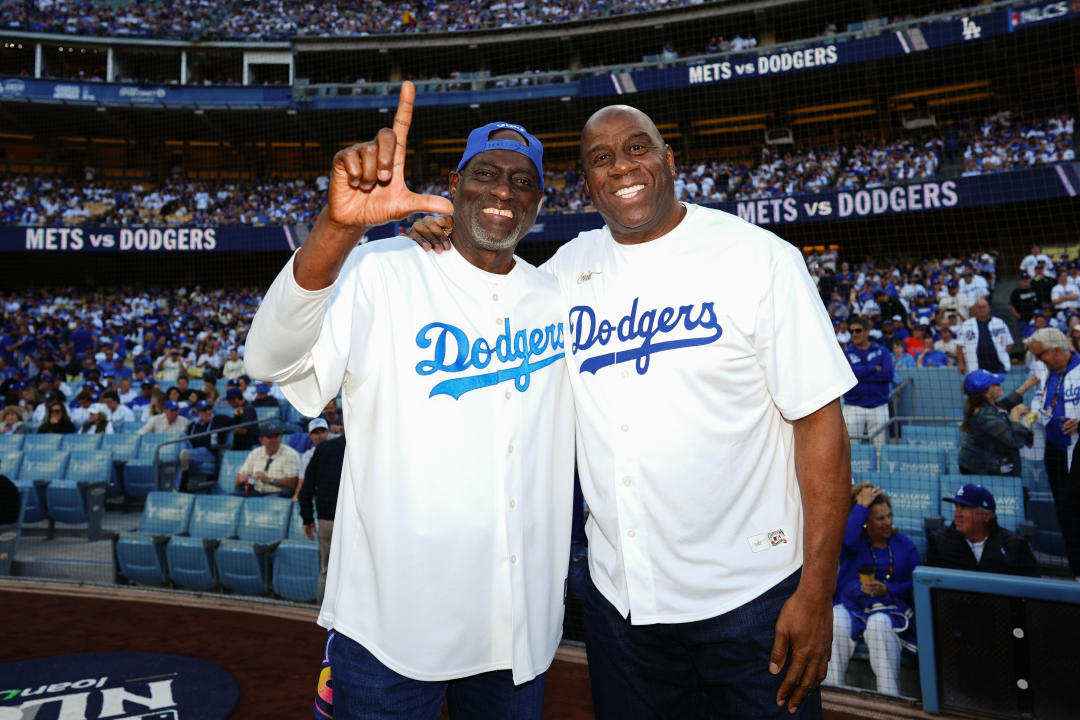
[402, 120]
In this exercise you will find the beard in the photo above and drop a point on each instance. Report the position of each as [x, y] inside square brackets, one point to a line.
[483, 239]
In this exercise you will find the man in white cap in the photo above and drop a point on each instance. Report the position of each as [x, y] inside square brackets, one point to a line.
[318, 431]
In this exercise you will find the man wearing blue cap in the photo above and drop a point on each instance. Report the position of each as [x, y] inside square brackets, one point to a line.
[167, 422]
[975, 541]
[449, 557]
[198, 456]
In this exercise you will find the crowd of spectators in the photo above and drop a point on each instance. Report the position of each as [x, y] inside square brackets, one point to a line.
[283, 19]
[918, 308]
[886, 162]
[40, 200]
[68, 347]
[1008, 141]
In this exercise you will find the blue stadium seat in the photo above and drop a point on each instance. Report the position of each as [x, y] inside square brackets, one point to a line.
[79, 497]
[10, 462]
[71, 443]
[1043, 513]
[268, 413]
[915, 502]
[140, 555]
[938, 435]
[913, 459]
[123, 448]
[296, 563]
[10, 534]
[11, 443]
[230, 465]
[36, 472]
[864, 458]
[143, 473]
[243, 564]
[43, 443]
[191, 557]
[1008, 492]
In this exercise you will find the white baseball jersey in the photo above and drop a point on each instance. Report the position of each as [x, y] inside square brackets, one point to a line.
[690, 356]
[1059, 291]
[968, 338]
[452, 533]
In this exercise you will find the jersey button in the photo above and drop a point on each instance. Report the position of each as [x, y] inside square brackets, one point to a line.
[507, 394]
[513, 559]
[495, 297]
[631, 533]
[513, 504]
[625, 428]
[510, 449]
[626, 481]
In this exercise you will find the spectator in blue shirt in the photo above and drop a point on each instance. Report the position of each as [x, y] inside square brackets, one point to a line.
[866, 406]
[929, 356]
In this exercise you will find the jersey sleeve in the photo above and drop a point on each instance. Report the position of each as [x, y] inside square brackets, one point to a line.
[304, 339]
[796, 344]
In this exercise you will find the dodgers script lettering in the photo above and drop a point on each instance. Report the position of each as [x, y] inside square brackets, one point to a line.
[645, 325]
[454, 352]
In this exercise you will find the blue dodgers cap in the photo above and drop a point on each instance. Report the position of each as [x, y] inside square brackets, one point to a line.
[234, 392]
[978, 380]
[262, 387]
[973, 496]
[203, 405]
[171, 405]
[479, 141]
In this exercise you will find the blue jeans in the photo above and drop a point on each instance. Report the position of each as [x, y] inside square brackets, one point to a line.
[715, 668]
[203, 461]
[365, 689]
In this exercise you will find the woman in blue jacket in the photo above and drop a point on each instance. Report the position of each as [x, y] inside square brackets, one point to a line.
[873, 600]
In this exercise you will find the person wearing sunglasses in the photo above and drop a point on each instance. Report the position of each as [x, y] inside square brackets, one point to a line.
[57, 420]
[866, 406]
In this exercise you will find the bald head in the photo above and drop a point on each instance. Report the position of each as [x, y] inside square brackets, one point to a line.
[615, 111]
[630, 174]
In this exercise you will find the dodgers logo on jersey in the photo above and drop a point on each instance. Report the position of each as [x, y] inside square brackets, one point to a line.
[454, 352]
[646, 326]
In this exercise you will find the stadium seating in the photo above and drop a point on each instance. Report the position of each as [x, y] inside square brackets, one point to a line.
[10, 534]
[243, 564]
[11, 443]
[266, 414]
[191, 557]
[140, 555]
[35, 473]
[73, 443]
[149, 470]
[296, 563]
[1042, 512]
[123, 448]
[230, 465]
[43, 443]
[79, 497]
[864, 458]
[936, 435]
[913, 459]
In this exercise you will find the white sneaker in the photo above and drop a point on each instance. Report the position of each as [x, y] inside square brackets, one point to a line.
[185, 458]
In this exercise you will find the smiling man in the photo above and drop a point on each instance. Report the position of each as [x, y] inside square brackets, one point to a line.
[706, 378]
[449, 552]
[714, 457]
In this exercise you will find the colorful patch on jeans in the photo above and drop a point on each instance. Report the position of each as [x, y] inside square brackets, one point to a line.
[324, 693]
